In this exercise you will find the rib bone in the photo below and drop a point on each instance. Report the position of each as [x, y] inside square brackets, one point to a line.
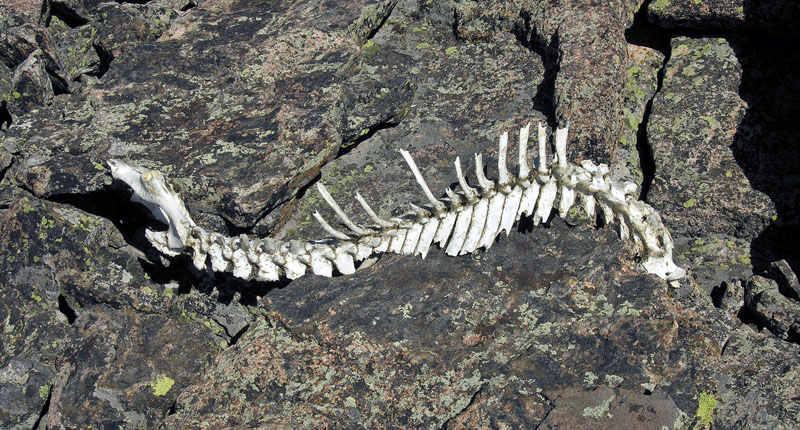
[467, 222]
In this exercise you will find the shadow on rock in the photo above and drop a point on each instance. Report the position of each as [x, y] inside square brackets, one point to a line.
[765, 144]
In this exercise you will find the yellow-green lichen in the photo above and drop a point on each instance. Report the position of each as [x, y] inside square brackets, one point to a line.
[162, 386]
[47, 223]
[689, 203]
[659, 5]
[705, 410]
[451, 50]
[369, 47]
[710, 120]
[44, 392]
[743, 258]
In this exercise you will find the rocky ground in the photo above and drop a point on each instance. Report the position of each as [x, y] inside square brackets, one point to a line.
[245, 104]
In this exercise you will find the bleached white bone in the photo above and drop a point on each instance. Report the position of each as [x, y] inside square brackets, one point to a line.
[453, 198]
[426, 237]
[543, 167]
[151, 189]
[396, 245]
[446, 227]
[327, 227]
[503, 179]
[338, 211]
[484, 182]
[522, 161]
[475, 227]
[438, 206]
[469, 221]
[469, 192]
[561, 147]
[412, 238]
[510, 210]
[375, 218]
[547, 198]
[493, 219]
[460, 230]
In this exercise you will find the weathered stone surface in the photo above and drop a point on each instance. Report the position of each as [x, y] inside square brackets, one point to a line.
[382, 348]
[757, 382]
[32, 324]
[640, 87]
[17, 12]
[774, 16]
[703, 194]
[30, 86]
[509, 405]
[116, 28]
[608, 408]
[245, 108]
[85, 259]
[770, 308]
[554, 327]
[591, 75]
[585, 54]
[17, 43]
[37, 69]
[787, 281]
[124, 368]
[24, 390]
[78, 49]
[79, 254]
[464, 97]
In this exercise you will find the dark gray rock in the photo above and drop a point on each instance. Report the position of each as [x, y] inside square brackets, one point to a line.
[702, 193]
[29, 51]
[24, 390]
[757, 382]
[585, 55]
[641, 84]
[31, 86]
[539, 313]
[462, 100]
[256, 104]
[17, 12]
[609, 408]
[245, 104]
[773, 16]
[771, 309]
[787, 281]
[17, 43]
[123, 368]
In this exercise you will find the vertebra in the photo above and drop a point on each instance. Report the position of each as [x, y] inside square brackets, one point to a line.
[468, 219]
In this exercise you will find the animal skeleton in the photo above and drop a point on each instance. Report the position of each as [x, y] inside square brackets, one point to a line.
[467, 219]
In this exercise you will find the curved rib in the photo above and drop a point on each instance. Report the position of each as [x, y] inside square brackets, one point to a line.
[438, 206]
[338, 211]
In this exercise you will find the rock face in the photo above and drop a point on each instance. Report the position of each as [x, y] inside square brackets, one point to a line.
[699, 186]
[245, 104]
[529, 319]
